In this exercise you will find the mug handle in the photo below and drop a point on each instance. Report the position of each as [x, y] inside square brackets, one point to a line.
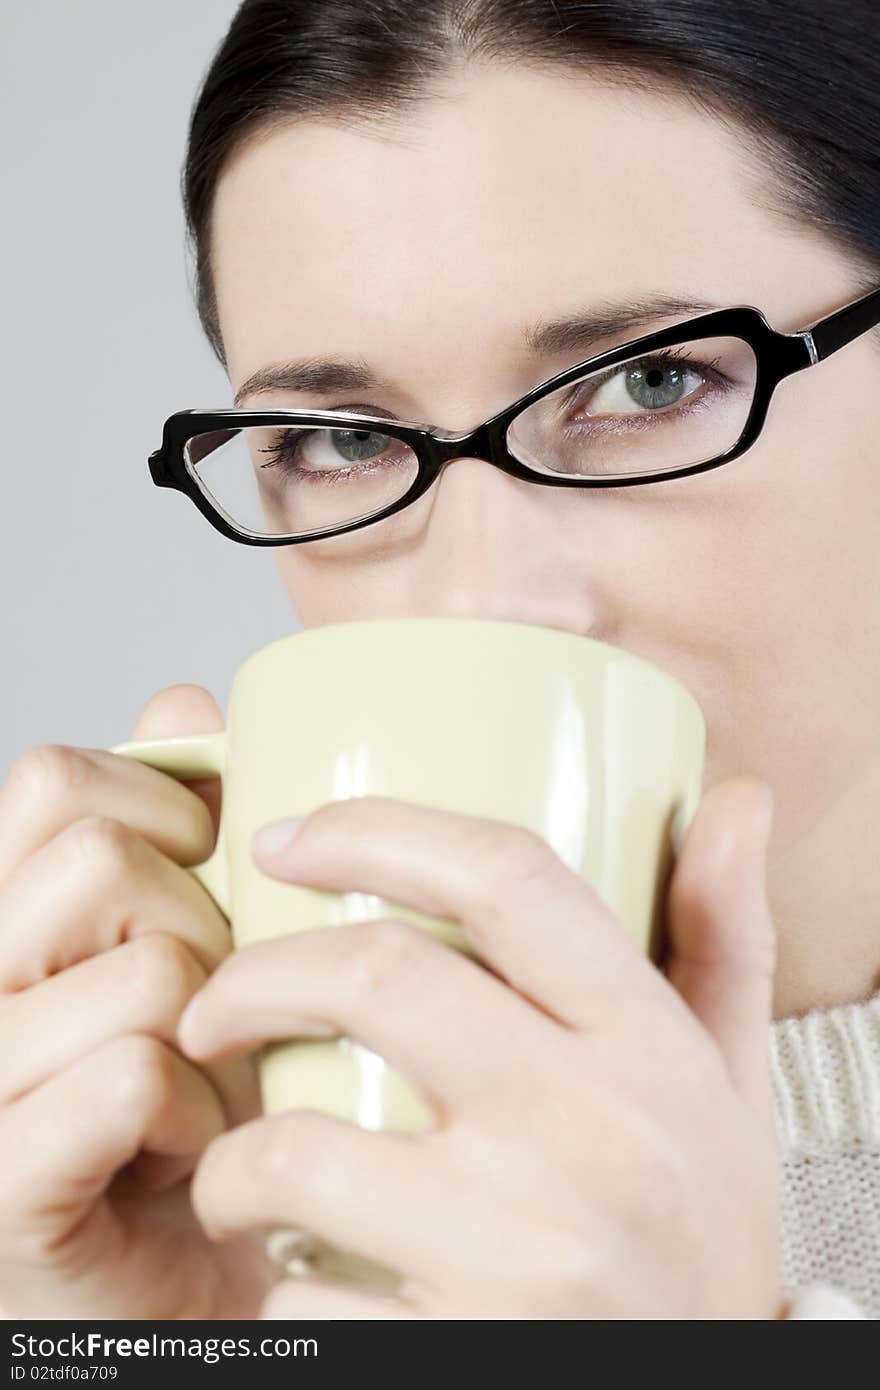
[193, 755]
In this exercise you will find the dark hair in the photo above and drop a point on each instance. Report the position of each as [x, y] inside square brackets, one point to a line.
[798, 80]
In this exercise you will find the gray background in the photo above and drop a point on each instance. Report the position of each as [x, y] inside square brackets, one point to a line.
[111, 588]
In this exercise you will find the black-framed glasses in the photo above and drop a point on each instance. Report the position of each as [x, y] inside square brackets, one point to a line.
[665, 405]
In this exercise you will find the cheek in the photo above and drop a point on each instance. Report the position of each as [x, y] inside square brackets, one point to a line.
[345, 579]
[775, 620]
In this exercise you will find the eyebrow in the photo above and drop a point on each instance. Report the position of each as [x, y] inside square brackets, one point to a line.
[576, 332]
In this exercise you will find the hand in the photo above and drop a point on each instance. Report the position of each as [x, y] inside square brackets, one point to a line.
[604, 1144]
[104, 937]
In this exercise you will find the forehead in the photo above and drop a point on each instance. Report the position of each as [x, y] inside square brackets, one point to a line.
[515, 195]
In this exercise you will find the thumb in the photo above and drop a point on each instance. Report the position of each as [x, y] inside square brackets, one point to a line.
[721, 941]
[185, 709]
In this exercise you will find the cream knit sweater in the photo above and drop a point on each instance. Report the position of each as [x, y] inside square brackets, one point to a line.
[826, 1074]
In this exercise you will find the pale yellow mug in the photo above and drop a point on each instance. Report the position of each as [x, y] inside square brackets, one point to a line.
[596, 750]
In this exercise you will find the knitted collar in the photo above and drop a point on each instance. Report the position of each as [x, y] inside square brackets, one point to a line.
[825, 1066]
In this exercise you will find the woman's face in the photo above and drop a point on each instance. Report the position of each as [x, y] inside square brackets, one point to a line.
[427, 251]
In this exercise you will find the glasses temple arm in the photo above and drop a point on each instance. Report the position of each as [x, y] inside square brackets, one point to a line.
[840, 328]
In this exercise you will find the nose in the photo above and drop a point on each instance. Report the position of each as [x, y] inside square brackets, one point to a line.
[503, 548]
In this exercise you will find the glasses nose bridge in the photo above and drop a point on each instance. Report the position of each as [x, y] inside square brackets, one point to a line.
[483, 443]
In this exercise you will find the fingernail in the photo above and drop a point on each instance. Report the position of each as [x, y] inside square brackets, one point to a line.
[271, 839]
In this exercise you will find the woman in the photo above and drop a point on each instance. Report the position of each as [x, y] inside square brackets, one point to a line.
[432, 209]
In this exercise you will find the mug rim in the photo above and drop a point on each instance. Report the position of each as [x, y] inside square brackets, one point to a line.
[497, 625]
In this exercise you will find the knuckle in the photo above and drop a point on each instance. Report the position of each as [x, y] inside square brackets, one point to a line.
[294, 1150]
[105, 846]
[382, 955]
[49, 771]
[144, 1072]
[507, 860]
[164, 971]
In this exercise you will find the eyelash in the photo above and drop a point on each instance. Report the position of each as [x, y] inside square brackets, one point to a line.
[670, 354]
[665, 355]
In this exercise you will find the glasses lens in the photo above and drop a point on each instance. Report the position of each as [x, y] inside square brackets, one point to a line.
[667, 410]
[285, 480]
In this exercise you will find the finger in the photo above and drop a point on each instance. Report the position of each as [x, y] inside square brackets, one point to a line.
[235, 1082]
[373, 1193]
[185, 709]
[319, 1298]
[431, 1012]
[140, 987]
[63, 1142]
[721, 938]
[50, 787]
[97, 884]
[535, 922]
